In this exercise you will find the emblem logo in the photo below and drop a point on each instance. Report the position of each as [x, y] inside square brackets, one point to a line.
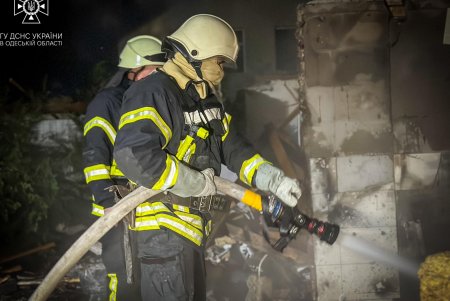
[31, 8]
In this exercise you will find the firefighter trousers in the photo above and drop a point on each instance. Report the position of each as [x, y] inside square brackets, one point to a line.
[172, 269]
[114, 261]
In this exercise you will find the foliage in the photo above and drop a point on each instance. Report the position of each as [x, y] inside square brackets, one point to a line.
[27, 183]
[41, 186]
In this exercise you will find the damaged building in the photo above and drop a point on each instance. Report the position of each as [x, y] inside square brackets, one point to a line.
[351, 98]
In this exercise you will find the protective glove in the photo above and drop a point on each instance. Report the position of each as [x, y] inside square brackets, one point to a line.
[210, 186]
[194, 183]
[270, 178]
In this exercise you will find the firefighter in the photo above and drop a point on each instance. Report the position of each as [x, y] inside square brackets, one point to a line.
[173, 136]
[139, 58]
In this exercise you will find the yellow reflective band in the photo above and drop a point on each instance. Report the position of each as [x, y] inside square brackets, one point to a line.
[154, 222]
[184, 146]
[189, 153]
[169, 176]
[148, 208]
[104, 125]
[192, 219]
[208, 228]
[97, 172]
[181, 208]
[146, 223]
[147, 113]
[202, 133]
[115, 171]
[181, 227]
[226, 124]
[249, 167]
[112, 287]
[97, 210]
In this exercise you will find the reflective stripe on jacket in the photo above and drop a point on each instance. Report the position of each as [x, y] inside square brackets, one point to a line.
[161, 127]
[100, 130]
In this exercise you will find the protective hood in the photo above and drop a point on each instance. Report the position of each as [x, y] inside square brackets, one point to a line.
[183, 72]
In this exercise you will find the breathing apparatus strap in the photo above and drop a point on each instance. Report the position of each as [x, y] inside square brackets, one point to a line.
[197, 67]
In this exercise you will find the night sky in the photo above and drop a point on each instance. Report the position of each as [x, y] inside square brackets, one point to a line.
[91, 32]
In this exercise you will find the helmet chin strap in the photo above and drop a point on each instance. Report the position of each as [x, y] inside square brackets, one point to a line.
[136, 73]
[197, 67]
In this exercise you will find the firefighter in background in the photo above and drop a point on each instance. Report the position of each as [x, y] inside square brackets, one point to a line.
[173, 136]
[139, 58]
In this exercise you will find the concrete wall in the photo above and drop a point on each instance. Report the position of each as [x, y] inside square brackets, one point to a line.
[377, 137]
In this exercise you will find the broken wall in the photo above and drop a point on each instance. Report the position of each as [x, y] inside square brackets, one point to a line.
[347, 135]
[377, 137]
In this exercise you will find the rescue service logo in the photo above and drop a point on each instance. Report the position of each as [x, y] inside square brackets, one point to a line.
[32, 9]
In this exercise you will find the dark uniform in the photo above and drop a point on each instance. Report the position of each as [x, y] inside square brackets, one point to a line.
[160, 128]
[102, 118]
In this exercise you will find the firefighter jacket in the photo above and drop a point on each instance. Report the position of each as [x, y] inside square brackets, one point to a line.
[100, 129]
[163, 126]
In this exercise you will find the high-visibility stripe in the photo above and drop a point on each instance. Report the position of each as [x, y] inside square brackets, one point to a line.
[97, 210]
[192, 219]
[169, 175]
[181, 227]
[97, 172]
[184, 146]
[208, 228]
[104, 125]
[146, 223]
[187, 145]
[147, 113]
[181, 208]
[175, 224]
[112, 287]
[115, 171]
[226, 124]
[191, 150]
[249, 167]
[148, 208]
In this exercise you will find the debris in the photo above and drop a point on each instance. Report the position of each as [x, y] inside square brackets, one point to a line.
[223, 240]
[8, 286]
[45, 247]
[96, 248]
[259, 288]
[92, 274]
[3, 279]
[380, 287]
[246, 251]
[14, 269]
[70, 230]
[216, 254]
[70, 280]
[244, 209]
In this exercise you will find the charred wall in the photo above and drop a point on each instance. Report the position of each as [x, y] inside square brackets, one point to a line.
[376, 132]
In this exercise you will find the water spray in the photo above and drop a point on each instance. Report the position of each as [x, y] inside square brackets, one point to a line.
[289, 221]
[370, 250]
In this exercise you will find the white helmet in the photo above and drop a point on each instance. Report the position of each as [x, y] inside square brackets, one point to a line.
[204, 36]
[141, 51]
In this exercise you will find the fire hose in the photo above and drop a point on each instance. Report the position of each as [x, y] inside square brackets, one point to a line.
[141, 194]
